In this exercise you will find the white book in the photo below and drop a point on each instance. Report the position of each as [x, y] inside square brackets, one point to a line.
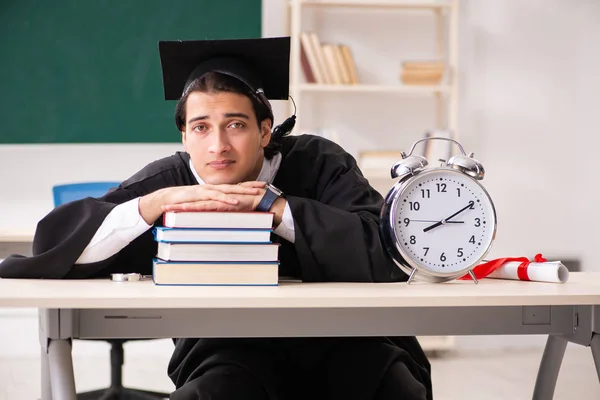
[212, 235]
[217, 252]
[215, 219]
[192, 273]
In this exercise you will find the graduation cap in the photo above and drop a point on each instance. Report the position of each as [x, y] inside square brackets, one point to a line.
[262, 64]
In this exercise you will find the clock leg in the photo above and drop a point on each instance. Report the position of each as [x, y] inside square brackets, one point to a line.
[473, 276]
[412, 275]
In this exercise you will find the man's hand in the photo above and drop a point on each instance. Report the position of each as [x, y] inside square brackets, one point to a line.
[200, 198]
[240, 200]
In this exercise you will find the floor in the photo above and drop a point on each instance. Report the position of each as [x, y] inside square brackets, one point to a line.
[466, 375]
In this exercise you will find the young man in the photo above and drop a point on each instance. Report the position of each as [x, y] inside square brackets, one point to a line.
[326, 220]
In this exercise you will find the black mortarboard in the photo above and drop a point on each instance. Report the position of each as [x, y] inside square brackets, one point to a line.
[259, 63]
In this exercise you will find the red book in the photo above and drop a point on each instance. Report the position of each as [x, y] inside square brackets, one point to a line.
[308, 73]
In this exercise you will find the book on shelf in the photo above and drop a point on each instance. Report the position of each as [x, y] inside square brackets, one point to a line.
[213, 273]
[216, 219]
[241, 252]
[308, 60]
[333, 64]
[342, 66]
[320, 57]
[377, 164]
[423, 65]
[422, 72]
[212, 235]
[350, 64]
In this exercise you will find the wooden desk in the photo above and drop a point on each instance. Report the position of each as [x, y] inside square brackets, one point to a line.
[105, 309]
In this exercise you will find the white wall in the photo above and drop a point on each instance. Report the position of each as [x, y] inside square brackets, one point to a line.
[528, 101]
[28, 172]
[529, 86]
[528, 108]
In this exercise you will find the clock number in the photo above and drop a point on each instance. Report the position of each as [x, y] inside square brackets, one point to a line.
[458, 189]
[413, 239]
[425, 191]
[471, 205]
[414, 205]
[459, 253]
[477, 222]
[441, 187]
[426, 250]
[406, 221]
[472, 240]
[443, 257]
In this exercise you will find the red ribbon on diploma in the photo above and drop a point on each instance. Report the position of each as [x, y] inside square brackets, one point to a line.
[483, 270]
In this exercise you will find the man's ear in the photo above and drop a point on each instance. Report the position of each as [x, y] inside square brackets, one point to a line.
[265, 132]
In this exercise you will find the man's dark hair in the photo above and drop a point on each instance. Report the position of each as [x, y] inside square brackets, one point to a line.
[214, 82]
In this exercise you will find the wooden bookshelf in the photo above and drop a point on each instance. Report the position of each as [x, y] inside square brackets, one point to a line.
[446, 45]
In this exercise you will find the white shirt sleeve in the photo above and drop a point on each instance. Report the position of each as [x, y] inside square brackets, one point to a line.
[286, 228]
[120, 227]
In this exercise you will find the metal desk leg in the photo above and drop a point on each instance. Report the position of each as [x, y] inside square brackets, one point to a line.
[595, 346]
[549, 368]
[61, 370]
[46, 385]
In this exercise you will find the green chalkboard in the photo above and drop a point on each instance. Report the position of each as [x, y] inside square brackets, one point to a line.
[88, 71]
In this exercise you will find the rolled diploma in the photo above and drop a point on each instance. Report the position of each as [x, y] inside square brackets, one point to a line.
[550, 271]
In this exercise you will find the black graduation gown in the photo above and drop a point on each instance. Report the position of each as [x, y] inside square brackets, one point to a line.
[336, 216]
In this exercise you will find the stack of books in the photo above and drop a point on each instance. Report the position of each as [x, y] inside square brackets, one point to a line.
[326, 63]
[216, 248]
[422, 72]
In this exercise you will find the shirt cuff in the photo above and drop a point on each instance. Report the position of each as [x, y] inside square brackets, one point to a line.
[120, 227]
[285, 229]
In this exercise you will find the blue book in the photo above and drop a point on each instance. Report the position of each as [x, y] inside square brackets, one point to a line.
[211, 235]
[215, 273]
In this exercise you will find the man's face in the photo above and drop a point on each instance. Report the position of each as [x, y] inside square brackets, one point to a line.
[223, 138]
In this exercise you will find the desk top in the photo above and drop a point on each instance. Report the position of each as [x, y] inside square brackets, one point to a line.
[582, 289]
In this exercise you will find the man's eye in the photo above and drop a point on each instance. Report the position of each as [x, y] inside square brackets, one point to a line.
[236, 125]
[199, 128]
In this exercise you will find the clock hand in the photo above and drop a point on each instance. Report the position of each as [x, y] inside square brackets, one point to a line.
[442, 222]
[429, 220]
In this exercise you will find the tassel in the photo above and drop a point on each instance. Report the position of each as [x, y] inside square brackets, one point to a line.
[284, 128]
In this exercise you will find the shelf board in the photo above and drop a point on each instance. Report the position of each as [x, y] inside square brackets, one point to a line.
[409, 5]
[409, 89]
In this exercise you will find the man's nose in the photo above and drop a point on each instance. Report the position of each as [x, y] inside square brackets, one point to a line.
[220, 143]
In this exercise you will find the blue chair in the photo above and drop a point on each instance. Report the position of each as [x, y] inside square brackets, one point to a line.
[116, 391]
[76, 191]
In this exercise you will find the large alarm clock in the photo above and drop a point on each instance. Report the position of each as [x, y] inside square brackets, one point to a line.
[438, 222]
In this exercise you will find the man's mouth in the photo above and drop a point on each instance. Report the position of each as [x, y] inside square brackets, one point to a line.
[219, 164]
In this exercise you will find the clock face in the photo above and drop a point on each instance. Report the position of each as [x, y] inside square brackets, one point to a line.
[444, 221]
